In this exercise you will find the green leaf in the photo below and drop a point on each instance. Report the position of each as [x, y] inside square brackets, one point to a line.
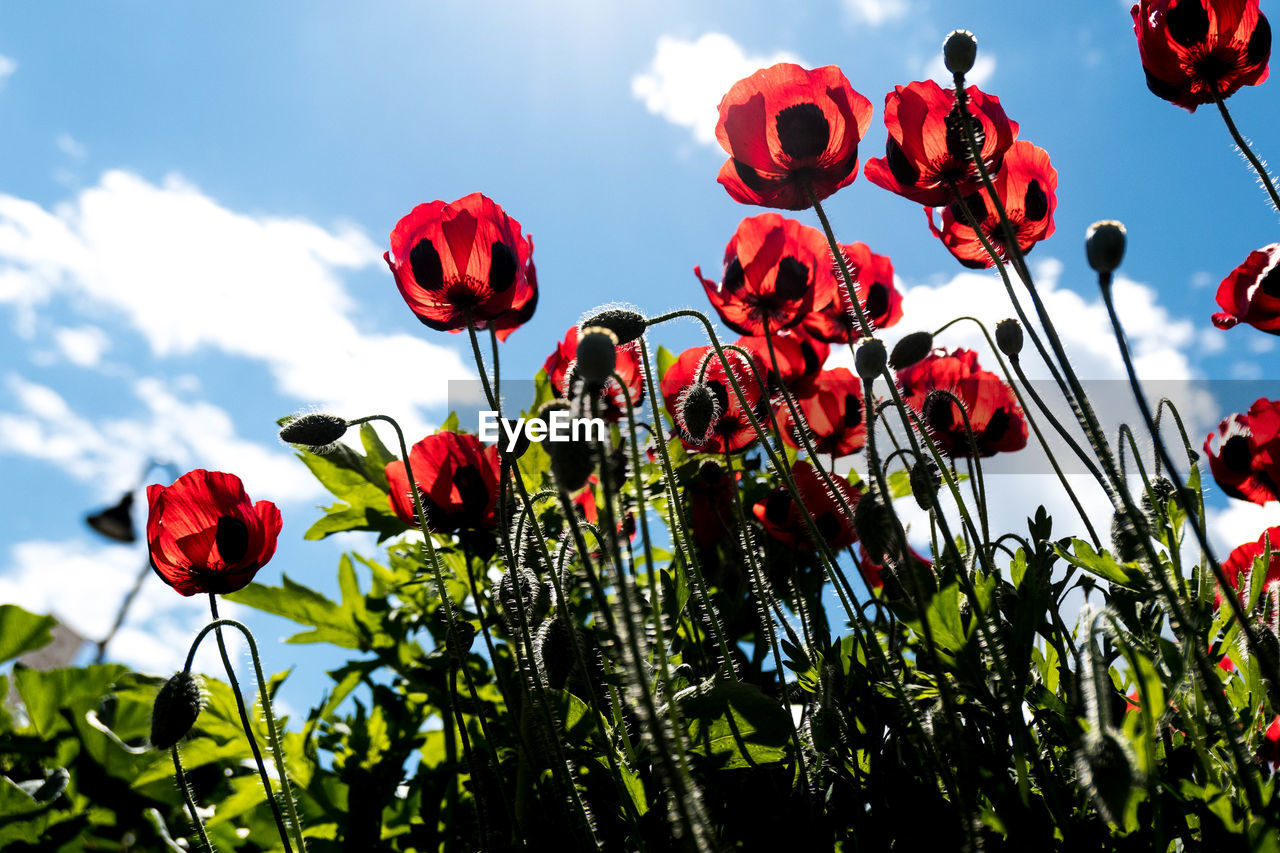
[22, 632]
[23, 818]
[45, 694]
[734, 724]
[341, 517]
[666, 358]
[943, 613]
[305, 606]
[1101, 564]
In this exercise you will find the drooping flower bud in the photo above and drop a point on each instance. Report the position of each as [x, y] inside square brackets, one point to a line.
[459, 637]
[627, 325]
[1104, 245]
[698, 409]
[177, 706]
[1009, 337]
[910, 350]
[1106, 771]
[313, 430]
[925, 480]
[874, 525]
[597, 353]
[1164, 491]
[1126, 538]
[959, 51]
[520, 588]
[572, 461]
[870, 359]
[553, 649]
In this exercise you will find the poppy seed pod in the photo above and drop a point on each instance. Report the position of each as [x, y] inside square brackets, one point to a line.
[597, 353]
[177, 706]
[959, 51]
[699, 409]
[910, 350]
[626, 325]
[1104, 245]
[870, 359]
[1106, 770]
[313, 430]
[1009, 337]
[925, 480]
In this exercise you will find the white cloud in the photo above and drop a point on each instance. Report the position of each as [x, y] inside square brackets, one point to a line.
[877, 12]
[1239, 523]
[686, 79]
[69, 145]
[983, 67]
[107, 453]
[189, 275]
[83, 586]
[8, 65]
[83, 346]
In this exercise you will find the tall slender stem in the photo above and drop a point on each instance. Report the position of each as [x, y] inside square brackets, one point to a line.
[189, 797]
[1263, 177]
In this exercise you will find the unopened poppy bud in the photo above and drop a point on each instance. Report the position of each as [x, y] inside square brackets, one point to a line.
[1126, 539]
[177, 706]
[698, 410]
[874, 526]
[313, 430]
[925, 479]
[1009, 337]
[459, 637]
[522, 441]
[910, 350]
[1106, 770]
[1268, 653]
[1163, 490]
[959, 51]
[553, 647]
[626, 325]
[870, 359]
[573, 461]
[597, 353]
[519, 588]
[1104, 245]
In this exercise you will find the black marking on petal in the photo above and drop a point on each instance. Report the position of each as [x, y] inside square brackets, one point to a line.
[827, 526]
[877, 302]
[1259, 43]
[900, 166]
[792, 280]
[232, 538]
[1188, 22]
[750, 176]
[502, 267]
[995, 429]
[852, 410]
[424, 260]
[1163, 88]
[1036, 206]
[810, 356]
[776, 506]
[1236, 454]
[803, 131]
[471, 488]
[733, 276]
[1270, 281]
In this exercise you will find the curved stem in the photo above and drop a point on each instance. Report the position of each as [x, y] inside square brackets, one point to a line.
[1263, 177]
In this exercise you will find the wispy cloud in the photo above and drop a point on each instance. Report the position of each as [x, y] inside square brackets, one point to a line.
[876, 12]
[983, 67]
[8, 65]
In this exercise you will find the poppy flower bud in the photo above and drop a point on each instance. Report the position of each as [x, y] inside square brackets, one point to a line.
[925, 479]
[1126, 538]
[1104, 245]
[177, 706]
[1268, 653]
[521, 445]
[626, 325]
[531, 595]
[1164, 490]
[597, 353]
[870, 359]
[910, 350]
[572, 461]
[1106, 770]
[699, 409]
[459, 637]
[874, 526]
[313, 430]
[553, 647]
[959, 51]
[1009, 337]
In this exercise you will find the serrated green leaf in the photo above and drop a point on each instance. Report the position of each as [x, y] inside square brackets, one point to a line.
[306, 607]
[22, 632]
[734, 724]
[1102, 564]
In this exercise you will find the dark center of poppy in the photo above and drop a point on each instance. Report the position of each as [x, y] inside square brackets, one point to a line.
[1036, 206]
[1259, 43]
[232, 537]
[878, 302]
[1236, 454]
[424, 260]
[803, 131]
[1270, 283]
[900, 166]
[1188, 22]
[734, 277]
[827, 526]
[502, 267]
[939, 414]
[810, 356]
[852, 410]
[792, 280]
[1215, 65]
[977, 208]
[462, 295]
[472, 490]
[776, 506]
[996, 428]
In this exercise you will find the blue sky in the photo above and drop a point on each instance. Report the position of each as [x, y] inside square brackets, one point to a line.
[194, 199]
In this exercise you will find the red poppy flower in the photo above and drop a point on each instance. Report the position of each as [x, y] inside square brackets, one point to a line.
[784, 521]
[1246, 459]
[1251, 294]
[457, 478]
[800, 358]
[205, 535]
[710, 496]
[1239, 564]
[561, 367]
[1192, 49]
[1028, 188]
[1270, 747]
[731, 430]
[833, 319]
[873, 573]
[464, 259]
[771, 269]
[927, 151]
[833, 411]
[994, 415]
[785, 127]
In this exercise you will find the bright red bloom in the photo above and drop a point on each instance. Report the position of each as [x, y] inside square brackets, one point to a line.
[927, 151]
[873, 573]
[457, 477]
[833, 411]
[784, 521]
[561, 367]
[710, 496]
[1239, 564]
[785, 127]
[800, 358]
[464, 259]
[1246, 459]
[994, 414]
[205, 535]
[833, 319]
[732, 429]
[1270, 748]
[1192, 49]
[772, 267]
[1027, 186]
[1251, 293]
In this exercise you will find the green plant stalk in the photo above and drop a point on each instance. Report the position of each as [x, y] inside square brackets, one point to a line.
[190, 800]
[1263, 177]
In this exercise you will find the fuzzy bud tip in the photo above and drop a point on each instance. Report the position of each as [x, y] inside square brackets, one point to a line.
[313, 430]
[1104, 245]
